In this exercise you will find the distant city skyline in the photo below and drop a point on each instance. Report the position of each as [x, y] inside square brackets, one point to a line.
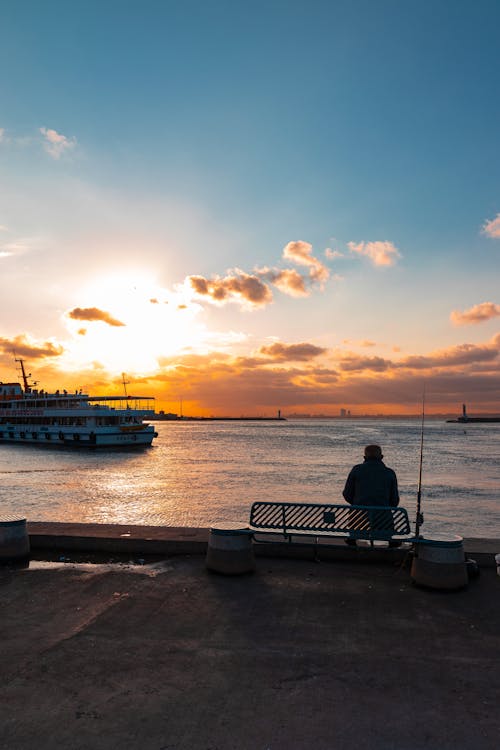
[253, 207]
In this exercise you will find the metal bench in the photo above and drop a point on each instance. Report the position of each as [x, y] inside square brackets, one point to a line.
[371, 523]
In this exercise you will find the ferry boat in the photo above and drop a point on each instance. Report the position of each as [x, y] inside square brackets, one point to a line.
[77, 420]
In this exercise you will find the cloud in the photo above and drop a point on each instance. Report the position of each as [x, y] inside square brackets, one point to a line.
[380, 253]
[492, 228]
[463, 354]
[23, 346]
[2, 134]
[477, 314]
[18, 247]
[288, 280]
[13, 244]
[237, 286]
[242, 385]
[56, 144]
[353, 363]
[93, 314]
[285, 376]
[292, 352]
[365, 343]
[332, 254]
[218, 384]
[252, 289]
[300, 252]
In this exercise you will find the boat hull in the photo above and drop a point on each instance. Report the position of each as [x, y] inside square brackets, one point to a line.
[79, 439]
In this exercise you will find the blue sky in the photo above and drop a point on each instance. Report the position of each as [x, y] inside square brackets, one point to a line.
[202, 137]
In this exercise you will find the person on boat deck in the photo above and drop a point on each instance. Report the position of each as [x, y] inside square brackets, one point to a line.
[372, 483]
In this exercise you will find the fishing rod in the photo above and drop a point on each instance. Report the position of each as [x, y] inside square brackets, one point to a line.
[419, 517]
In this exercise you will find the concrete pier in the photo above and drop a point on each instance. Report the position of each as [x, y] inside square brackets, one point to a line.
[302, 654]
[50, 537]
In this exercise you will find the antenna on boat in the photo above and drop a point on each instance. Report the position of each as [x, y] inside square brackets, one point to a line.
[125, 383]
[419, 517]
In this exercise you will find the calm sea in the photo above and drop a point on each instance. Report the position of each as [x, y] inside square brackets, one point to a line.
[200, 472]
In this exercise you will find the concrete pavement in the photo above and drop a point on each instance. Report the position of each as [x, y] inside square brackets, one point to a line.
[298, 655]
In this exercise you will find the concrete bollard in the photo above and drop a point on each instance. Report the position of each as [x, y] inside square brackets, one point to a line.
[230, 549]
[14, 540]
[439, 563]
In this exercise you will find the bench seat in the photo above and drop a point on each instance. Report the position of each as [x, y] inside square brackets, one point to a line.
[371, 523]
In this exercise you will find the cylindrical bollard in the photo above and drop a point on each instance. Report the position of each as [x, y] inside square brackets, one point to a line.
[230, 549]
[439, 563]
[14, 540]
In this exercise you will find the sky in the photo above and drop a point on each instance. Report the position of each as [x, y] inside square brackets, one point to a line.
[253, 206]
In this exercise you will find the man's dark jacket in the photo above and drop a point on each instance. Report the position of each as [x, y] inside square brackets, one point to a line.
[371, 483]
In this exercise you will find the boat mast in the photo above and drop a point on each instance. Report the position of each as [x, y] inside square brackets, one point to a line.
[27, 386]
[125, 383]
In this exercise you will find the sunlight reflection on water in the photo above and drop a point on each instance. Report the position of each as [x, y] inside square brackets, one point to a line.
[199, 472]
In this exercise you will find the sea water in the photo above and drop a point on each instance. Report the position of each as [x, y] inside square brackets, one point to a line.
[198, 473]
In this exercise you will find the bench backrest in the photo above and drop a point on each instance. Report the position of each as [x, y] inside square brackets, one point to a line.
[360, 521]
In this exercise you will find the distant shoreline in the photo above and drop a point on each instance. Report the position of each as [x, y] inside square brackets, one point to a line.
[160, 418]
[450, 418]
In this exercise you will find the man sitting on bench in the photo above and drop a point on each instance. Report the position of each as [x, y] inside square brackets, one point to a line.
[371, 483]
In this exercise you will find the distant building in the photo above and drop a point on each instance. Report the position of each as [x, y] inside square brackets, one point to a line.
[342, 412]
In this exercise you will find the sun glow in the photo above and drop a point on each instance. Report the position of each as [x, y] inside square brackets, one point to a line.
[127, 322]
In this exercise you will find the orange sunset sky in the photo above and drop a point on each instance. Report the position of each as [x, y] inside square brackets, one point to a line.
[253, 208]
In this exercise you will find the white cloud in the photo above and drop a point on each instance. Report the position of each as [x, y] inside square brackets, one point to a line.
[56, 144]
[477, 314]
[288, 280]
[332, 254]
[2, 134]
[300, 252]
[492, 228]
[236, 286]
[380, 253]
[17, 247]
